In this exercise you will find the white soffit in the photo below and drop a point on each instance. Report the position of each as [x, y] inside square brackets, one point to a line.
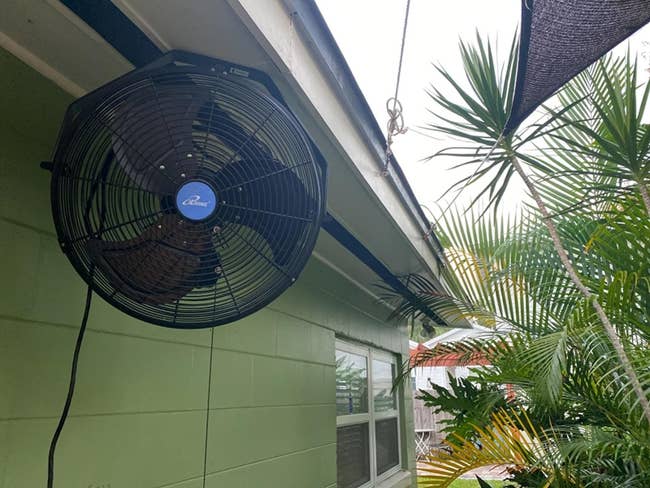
[208, 27]
[47, 36]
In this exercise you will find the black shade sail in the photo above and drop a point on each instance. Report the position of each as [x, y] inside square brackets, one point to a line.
[560, 38]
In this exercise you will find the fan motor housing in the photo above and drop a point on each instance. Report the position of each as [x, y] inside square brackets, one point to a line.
[196, 200]
[186, 193]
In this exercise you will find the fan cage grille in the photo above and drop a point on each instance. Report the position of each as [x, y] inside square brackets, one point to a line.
[120, 160]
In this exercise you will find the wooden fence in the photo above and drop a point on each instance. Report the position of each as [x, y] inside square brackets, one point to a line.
[428, 425]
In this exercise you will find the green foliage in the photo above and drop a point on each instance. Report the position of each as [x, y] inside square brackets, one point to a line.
[470, 404]
[463, 483]
[482, 483]
[511, 440]
[602, 138]
[577, 420]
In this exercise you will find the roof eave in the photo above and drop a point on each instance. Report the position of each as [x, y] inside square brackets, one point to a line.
[332, 60]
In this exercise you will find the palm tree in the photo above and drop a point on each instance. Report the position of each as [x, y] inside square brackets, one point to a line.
[605, 127]
[572, 401]
[477, 118]
[580, 415]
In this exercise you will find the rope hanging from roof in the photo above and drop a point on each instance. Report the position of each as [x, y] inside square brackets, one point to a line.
[560, 38]
[395, 125]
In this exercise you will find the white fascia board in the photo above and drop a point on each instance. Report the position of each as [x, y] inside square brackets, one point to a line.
[458, 334]
[448, 336]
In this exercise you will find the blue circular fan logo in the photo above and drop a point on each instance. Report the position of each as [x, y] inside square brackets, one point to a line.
[195, 200]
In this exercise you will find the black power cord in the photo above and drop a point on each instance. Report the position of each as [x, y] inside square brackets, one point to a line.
[207, 410]
[68, 400]
[84, 321]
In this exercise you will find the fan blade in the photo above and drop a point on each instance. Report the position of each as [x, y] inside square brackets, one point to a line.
[161, 265]
[269, 198]
[152, 134]
[226, 128]
[261, 189]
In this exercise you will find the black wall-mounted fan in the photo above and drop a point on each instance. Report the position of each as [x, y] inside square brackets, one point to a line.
[185, 193]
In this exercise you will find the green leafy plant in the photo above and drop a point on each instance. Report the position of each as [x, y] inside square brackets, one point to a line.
[565, 281]
[510, 440]
[471, 404]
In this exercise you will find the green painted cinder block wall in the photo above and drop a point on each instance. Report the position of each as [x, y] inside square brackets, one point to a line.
[138, 417]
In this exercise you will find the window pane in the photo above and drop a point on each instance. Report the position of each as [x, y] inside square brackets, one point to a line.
[387, 446]
[351, 383]
[383, 375]
[352, 456]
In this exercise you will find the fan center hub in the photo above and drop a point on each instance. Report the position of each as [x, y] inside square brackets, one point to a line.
[196, 200]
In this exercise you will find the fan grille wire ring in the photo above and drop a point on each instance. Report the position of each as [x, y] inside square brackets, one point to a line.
[132, 148]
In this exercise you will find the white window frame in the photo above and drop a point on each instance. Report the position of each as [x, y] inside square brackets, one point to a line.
[371, 417]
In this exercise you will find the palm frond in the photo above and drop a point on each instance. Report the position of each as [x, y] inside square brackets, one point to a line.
[511, 440]
[602, 135]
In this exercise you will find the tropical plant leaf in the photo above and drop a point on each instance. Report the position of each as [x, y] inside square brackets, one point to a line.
[511, 440]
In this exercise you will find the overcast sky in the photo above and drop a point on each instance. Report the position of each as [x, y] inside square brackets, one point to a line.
[369, 34]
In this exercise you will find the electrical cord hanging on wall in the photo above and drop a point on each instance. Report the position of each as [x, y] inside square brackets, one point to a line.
[71, 388]
[73, 380]
[395, 124]
[207, 411]
[100, 184]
